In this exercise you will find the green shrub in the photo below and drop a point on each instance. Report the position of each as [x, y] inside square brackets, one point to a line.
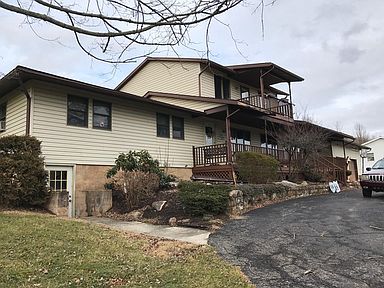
[199, 199]
[279, 190]
[140, 161]
[310, 174]
[256, 168]
[23, 180]
[251, 190]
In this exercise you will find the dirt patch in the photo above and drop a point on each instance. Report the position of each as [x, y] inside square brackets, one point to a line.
[172, 209]
[167, 249]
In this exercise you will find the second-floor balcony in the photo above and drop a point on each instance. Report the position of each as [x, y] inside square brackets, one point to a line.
[277, 106]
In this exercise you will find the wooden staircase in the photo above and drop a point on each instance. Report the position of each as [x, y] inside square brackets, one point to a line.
[331, 171]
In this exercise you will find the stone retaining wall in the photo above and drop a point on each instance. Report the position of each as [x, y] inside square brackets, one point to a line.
[240, 203]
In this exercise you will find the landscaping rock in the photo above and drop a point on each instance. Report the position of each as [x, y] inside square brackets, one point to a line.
[185, 221]
[173, 184]
[172, 221]
[304, 183]
[217, 222]
[287, 183]
[136, 214]
[207, 217]
[235, 193]
[158, 205]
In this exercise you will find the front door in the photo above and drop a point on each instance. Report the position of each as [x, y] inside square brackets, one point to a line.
[208, 135]
[61, 185]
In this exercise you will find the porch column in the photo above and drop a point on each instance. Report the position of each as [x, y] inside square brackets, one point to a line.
[290, 99]
[262, 89]
[345, 163]
[228, 134]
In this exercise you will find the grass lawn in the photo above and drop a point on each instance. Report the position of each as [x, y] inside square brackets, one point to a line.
[46, 251]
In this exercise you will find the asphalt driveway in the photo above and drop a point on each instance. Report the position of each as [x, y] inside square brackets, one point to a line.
[334, 240]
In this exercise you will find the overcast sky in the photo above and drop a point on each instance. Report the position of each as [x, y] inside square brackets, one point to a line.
[336, 46]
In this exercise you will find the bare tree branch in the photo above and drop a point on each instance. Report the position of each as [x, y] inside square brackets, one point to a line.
[117, 25]
[361, 134]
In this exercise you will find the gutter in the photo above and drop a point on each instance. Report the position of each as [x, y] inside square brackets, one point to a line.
[29, 104]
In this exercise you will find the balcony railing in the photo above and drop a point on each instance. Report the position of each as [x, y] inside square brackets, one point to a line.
[278, 107]
[217, 154]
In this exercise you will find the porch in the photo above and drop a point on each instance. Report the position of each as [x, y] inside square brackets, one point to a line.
[278, 107]
[217, 162]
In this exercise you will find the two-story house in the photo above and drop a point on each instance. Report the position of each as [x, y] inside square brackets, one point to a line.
[190, 114]
[240, 106]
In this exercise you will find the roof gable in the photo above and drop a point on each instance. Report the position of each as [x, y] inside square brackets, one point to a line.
[273, 73]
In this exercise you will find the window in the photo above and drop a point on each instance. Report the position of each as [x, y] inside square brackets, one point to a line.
[272, 143]
[3, 112]
[240, 136]
[102, 112]
[177, 127]
[222, 87]
[58, 180]
[162, 125]
[370, 156]
[244, 92]
[77, 114]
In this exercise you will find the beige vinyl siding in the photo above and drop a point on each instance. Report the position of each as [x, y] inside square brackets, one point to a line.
[15, 114]
[190, 104]
[167, 77]
[207, 84]
[133, 128]
[352, 152]
[220, 136]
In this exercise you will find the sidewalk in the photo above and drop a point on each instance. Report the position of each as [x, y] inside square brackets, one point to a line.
[191, 235]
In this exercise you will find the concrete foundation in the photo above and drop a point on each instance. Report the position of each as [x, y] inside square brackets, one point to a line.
[180, 173]
[58, 203]
[91, 197]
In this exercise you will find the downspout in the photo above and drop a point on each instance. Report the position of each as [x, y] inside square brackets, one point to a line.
[29, 105]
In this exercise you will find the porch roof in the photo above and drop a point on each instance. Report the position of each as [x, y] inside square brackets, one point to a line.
[273, 73]
[248, 114]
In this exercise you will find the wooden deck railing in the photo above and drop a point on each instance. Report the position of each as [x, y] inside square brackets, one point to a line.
[326, 167]
[284, 109]
[217, 154]
[213, 158]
